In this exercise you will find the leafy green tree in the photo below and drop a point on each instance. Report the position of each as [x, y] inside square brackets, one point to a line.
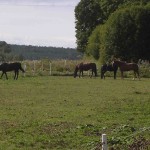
[127, 34]
[88, 15]
[95, 42]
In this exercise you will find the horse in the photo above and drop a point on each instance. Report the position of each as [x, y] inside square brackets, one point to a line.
[6, 67]
[108, 67]
[127, 67]
[85, 67]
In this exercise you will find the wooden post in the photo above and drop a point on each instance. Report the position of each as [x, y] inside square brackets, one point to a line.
[104, 142]
[65, 62]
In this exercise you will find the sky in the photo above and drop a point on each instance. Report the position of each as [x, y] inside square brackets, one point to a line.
[38, 22]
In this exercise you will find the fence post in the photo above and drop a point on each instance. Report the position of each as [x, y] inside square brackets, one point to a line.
[65, 62]
[104, 142]
[33, 68]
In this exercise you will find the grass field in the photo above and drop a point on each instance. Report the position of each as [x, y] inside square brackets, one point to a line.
[47, 112]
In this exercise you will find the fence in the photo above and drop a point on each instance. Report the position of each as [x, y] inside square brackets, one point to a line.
[66, 67]
[46, 67]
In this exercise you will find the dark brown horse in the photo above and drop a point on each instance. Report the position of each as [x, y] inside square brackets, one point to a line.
[5, 67]
[127, 67]
[108, 67]
[85, 67]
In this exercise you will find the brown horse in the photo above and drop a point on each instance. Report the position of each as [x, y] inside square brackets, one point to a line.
[85, 67]
[127, 67]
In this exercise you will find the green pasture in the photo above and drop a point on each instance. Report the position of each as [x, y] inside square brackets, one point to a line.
[54, 112]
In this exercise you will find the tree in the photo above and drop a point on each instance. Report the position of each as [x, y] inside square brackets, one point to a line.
[95, 41]
[88, 15]
[127, 34]
[91, 13]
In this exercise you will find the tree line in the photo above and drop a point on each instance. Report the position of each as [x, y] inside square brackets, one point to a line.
[10, 52]
[113, 28]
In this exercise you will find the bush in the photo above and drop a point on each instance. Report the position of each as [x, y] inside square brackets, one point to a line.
[127, 34]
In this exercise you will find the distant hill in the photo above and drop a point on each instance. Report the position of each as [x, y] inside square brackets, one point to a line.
[38, 52]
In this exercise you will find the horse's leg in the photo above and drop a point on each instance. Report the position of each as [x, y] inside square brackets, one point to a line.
[138, 76]
[82, 73]
[103, 74]
[2, 75]
[6, 75]
[91, 74]
[79, 73]
[134, 75]
[17, 73]
[94, 72]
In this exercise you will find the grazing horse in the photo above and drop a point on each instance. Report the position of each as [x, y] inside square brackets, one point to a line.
[127, 67]
[5, 67]
[108, 67]
[85, 67]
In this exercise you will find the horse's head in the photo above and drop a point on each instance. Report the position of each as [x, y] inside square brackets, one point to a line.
[75, 71]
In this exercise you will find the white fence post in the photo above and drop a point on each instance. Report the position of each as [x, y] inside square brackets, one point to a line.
[104, 142]
[65, 62]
